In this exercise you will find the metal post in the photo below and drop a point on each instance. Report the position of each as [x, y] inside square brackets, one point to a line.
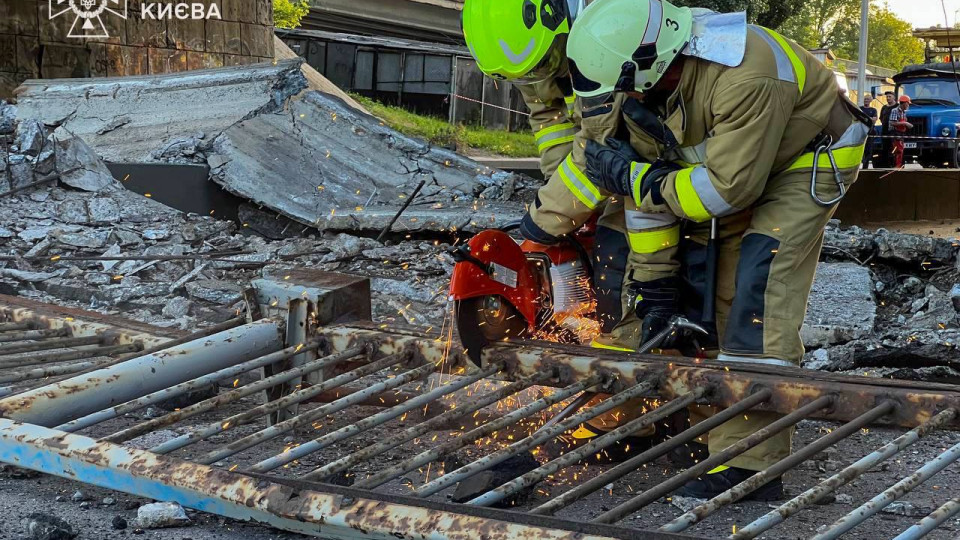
[864, 30]
[79, 396]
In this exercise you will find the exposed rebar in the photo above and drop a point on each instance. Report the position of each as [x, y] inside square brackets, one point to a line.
[595, 445]
[437, 422]
[64, 356]
[598, 482]
[12, 326]
[49, 344]
[776, 470]
[715, 460]
[267, 408]
[894, 492]
[847, 475]
[370, 422]
[32, 335]
[482, 431]
[52, 371]
[233, 395]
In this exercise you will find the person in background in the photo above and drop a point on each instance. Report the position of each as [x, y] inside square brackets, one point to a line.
[868, 110]
[899, 124]
[886, 144]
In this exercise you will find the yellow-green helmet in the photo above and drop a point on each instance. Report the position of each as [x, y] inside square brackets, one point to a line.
[625, 45]
[517, 40]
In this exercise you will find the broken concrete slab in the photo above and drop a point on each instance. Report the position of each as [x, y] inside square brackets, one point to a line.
[160, 108]
[79, 165]
[841, 305]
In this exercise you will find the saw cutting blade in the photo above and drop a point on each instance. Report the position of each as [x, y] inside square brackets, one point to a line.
[485, 320]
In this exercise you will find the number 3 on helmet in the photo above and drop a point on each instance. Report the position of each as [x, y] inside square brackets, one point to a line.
[522, 41]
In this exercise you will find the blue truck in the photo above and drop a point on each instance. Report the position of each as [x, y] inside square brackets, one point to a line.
[935, 112]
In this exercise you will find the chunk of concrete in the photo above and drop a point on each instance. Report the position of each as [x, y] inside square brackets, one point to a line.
[161, 515]
[841, 306]
[80, 166]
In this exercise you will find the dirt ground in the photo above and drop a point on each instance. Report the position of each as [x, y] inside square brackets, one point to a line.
[21, 494]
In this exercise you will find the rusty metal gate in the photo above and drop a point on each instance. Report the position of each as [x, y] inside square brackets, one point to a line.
[283, 442]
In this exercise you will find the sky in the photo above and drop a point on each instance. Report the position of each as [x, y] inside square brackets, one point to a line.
[925, 13]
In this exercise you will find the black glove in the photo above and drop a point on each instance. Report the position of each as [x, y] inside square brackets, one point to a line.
[529, 230]
[609, 165]
[656, 302]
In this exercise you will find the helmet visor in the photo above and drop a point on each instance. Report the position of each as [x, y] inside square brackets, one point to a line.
[548, 68]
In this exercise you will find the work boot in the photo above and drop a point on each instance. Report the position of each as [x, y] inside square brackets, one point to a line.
[617, 452]
[721, 479]
[688, 455]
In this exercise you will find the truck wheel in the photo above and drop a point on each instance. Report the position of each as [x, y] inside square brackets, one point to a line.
[954, 157]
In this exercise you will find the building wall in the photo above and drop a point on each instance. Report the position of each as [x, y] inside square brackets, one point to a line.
[32, 45]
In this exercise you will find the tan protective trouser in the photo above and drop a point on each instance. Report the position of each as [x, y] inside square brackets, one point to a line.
[770, 253]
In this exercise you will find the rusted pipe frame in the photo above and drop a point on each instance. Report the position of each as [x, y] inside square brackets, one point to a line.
[595, 445]
[230, 396]
[48, 344]
[850, 473]
[536, 438]
[741, 490]
[422, 428]
[79, 396]
[48, 371]
[32, 335]
[50, 357]
[339, 513]
[467, 438]
[370, 422]
[728, 382]
[643, 499]
[186, 387]
[936, 518]
[267, 408]
[13, 326]
[894, 492]
[309, 417]
[611, 475]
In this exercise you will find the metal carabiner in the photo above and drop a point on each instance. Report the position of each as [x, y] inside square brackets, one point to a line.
[836, 174]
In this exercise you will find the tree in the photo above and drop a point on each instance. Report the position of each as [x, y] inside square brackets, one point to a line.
[769, 13]
[289, 13]
[835, 25]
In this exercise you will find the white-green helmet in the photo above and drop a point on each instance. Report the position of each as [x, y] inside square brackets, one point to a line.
[625, 45]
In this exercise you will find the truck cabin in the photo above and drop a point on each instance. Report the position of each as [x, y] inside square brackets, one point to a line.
[934, 90]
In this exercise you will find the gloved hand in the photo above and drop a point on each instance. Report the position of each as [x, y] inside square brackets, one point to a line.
[612, 167]
[656, 302]
[529, 230]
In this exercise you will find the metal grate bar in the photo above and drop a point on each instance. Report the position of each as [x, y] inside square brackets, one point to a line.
[847, 475]
[50, 371]
[12, 326]
[64, 356]
[186, 387]
[597, 444]
[467, 438]
[313, 415]
[538, 437]
[776, 470]
[730, 452]
[32, 334]
[50, 344]
[267, 408]
[566, 499]
[233, 395]
[936, 518]
[370, 422]
[422, 428]
[894, 492]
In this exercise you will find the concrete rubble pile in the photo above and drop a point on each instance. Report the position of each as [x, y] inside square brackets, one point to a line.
[87, 213]
[306, 155]
[886, 305]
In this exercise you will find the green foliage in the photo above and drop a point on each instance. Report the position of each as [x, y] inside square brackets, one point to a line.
[835, 24]
[769, 13]
[289, 13]
[438, 131]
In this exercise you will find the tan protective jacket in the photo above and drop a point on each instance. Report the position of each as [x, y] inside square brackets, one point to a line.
[552, 119]
[733, 128]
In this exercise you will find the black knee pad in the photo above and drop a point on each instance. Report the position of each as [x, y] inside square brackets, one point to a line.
[609, 264]
[745, 326]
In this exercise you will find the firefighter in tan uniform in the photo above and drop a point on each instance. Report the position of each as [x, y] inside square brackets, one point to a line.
[767, 145]
[524, 41]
